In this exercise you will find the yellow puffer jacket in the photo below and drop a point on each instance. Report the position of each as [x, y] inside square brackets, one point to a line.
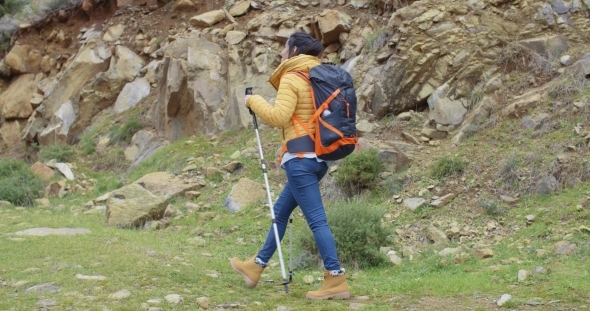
[293, 97]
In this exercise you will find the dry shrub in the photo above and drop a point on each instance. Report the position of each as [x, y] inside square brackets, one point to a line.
[515, 57]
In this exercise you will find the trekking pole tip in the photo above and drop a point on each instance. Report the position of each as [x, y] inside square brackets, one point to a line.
[286, 284]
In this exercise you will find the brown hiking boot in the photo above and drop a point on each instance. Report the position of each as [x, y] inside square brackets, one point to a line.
[249, 269]
[333, 287]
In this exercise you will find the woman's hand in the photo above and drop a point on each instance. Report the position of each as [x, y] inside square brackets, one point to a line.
[246, 100]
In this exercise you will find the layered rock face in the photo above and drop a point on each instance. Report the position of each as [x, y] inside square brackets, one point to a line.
[443, 56]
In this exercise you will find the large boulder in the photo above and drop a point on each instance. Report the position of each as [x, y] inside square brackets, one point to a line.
[133, 205]
[194, 93]
[58, 129]
[43, 171]
[92, 58]
[131, 95]
[331, 23]
[244, 193]
[15, 102]
[582, 66]
[166, 184]
[444, 110]
[10, 132]
[23, 59]
[547, 46]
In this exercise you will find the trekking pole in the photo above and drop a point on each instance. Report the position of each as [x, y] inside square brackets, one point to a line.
[291, 248]
[272, 213]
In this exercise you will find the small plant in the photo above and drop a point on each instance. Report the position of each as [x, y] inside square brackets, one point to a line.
[492, 207]
[475, 97]
[59, 152]
[424, 210]
[395, 183]
[359, 170]
[358, 233]
[509, 171]
[516, 57]
[447, 166]
[18, 184]
[470, 130]
[87, 143]
[113, 161]
[125, 133]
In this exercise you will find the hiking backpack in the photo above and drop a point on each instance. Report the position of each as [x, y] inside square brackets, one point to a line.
[334, 101]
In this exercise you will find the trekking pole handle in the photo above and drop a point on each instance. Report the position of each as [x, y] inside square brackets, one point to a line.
[249, 92]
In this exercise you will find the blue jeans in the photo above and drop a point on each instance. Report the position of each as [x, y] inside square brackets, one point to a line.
[302, 189]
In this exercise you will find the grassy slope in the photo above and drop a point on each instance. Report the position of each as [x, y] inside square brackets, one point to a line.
[153, 264]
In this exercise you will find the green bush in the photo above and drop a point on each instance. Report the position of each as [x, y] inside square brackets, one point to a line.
[18, 184]
[492, 207]
[13, 6]
[87, 143]
[447, 166]
[357, 231]
[62, 153]
[125, 133]
[359, 170]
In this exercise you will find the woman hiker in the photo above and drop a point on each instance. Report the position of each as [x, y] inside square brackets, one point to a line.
[303, 170]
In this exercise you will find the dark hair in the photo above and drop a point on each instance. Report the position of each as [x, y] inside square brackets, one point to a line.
[305, 44]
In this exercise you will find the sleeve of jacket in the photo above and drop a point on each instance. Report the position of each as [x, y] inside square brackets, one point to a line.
[279, 114]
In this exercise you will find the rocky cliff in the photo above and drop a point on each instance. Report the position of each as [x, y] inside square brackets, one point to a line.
[186, 63]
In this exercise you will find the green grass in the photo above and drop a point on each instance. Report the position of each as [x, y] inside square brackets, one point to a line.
[152, 264]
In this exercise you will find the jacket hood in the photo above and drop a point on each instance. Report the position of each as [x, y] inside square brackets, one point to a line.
[301, 63]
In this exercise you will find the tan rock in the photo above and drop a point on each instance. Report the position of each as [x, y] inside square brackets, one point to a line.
[11, 132]
[232, 166]
[43, 171]
[114, 32]
[53, 190]
[166, 184]
[235, 37]
[23, 59]
[211, 172]
[434, 134]
[244, 193]
[331, 23]
[182, 5]
[131, 153]
[229, 17]
[47, 63]
[87, 6]
[240, 8]
[15, 102]
[443, 200]
[521, 105]
[437, 236]
[483, 253]
[132, 205]
[207, 19]
[92, 58]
